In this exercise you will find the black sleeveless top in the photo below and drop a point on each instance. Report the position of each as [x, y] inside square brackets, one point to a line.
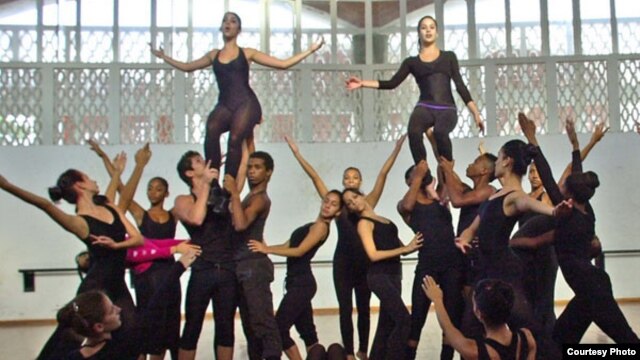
[438, 251]
[155, 230]
[107, 267]
[233, 81]
[385, 237]
[301, 265]
[349, 245]
[255, 231]
[509, 352]
[214, 238]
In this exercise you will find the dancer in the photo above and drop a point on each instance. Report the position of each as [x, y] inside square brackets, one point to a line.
[99, 224]
[593, 300]
[238, 109]
[295, 307]
[380, 240]
[94, 316]
[492, 304]
[350, 260]
[149, 271]
[254, 272]
[213, 274]
[438, 257]
[433, 71]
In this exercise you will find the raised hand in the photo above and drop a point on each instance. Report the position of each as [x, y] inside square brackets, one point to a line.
[569, 126]
[257, 246]
[159, 53]
[431, 289]
[400, 141]
[317, 45]
[95, 147]
[119, 162]
[143, 155]
[353, 83]
[528, 127]
[600, 130]
[292, 144]
[229, 184]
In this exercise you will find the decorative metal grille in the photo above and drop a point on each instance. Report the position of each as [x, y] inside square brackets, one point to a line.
[628, 39]
[146, 106]
[21, 107]
[394, 48]
[392, 109]
[629, 94]
[520, 87]
[526, 41]
[281, 44]
[203, 42]
[596, 38]
[202, 92]
[6, 50]
[345, 49]
[582, 93]
[492, 42]
[456, 40]
[473, 77]
[134, 46]
[278, 92]
[97, 46]
[561, 39]
[337, 112]
[81, 106]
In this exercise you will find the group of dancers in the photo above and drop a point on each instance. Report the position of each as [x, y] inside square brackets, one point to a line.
[492, 292]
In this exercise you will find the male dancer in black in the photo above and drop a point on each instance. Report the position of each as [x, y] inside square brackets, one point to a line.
[213, 273]
[254, 271]
[438, 257]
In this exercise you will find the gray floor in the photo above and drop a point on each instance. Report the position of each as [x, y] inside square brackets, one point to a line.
[24, 341]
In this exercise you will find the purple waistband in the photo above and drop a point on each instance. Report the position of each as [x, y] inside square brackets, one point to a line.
[436, 107]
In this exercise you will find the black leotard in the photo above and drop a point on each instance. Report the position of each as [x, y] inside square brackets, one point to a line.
[433, 79]
[233, 81]
[434, 222]
[255, 231]
[301, 265]
[385, 237]
[509, 352]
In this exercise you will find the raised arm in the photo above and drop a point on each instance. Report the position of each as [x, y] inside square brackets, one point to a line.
[466, 347]
[119, 162]
[317, 234]
[373, 197]
[134, 208]
[282, 64]
[241, 217]
[598, 133]
[72, 223]
[319, 184]
[456, 188]
[408, 202]
[198, 64]
[191, 211]
[128, 191]
[353, 82]
[365, 230]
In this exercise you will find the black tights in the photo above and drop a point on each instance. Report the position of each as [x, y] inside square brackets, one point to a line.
[442, 121]
[239, 123]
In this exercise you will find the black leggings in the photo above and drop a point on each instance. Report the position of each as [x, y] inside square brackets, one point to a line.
[593, 302]
[450, 281]
[394, 321]
[296, 309]
[239, 123]
[442, 121]
[346, 279]
[218, 285]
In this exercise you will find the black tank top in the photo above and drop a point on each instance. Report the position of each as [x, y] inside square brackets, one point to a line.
[301, 265]
[509, 352]
[233, 81]
[495, 229]
[572, 241]
[349, 245]
[107, 266]
[439, 251]
[385, 237]
[155, 230]
[214, 238]
[255, 231]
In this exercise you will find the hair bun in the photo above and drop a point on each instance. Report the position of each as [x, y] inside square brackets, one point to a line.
[55, 193]
[591, 180]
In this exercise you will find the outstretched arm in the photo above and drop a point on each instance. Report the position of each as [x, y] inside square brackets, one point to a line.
[128, 191]
[365, 230]
[319, 184]
[354, 82]
[597, 135]
[317, 233]
[373, 197]
[282, 64]
[72, 223]
[198, 64]
[466, 347]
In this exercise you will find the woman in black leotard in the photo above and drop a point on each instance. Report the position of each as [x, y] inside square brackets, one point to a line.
[97, 318]
[295, 307]
[593, 301]
[238, 109]
[379, 237]
[349, 260]
[98, 223]
[492, 304]
[433, 71]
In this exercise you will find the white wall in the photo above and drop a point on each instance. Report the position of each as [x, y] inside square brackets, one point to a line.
[29, 239]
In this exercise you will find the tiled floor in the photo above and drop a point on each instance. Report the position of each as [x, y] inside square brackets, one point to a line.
[24, 341]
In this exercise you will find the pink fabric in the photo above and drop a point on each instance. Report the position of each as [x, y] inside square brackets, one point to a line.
[140, 258]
